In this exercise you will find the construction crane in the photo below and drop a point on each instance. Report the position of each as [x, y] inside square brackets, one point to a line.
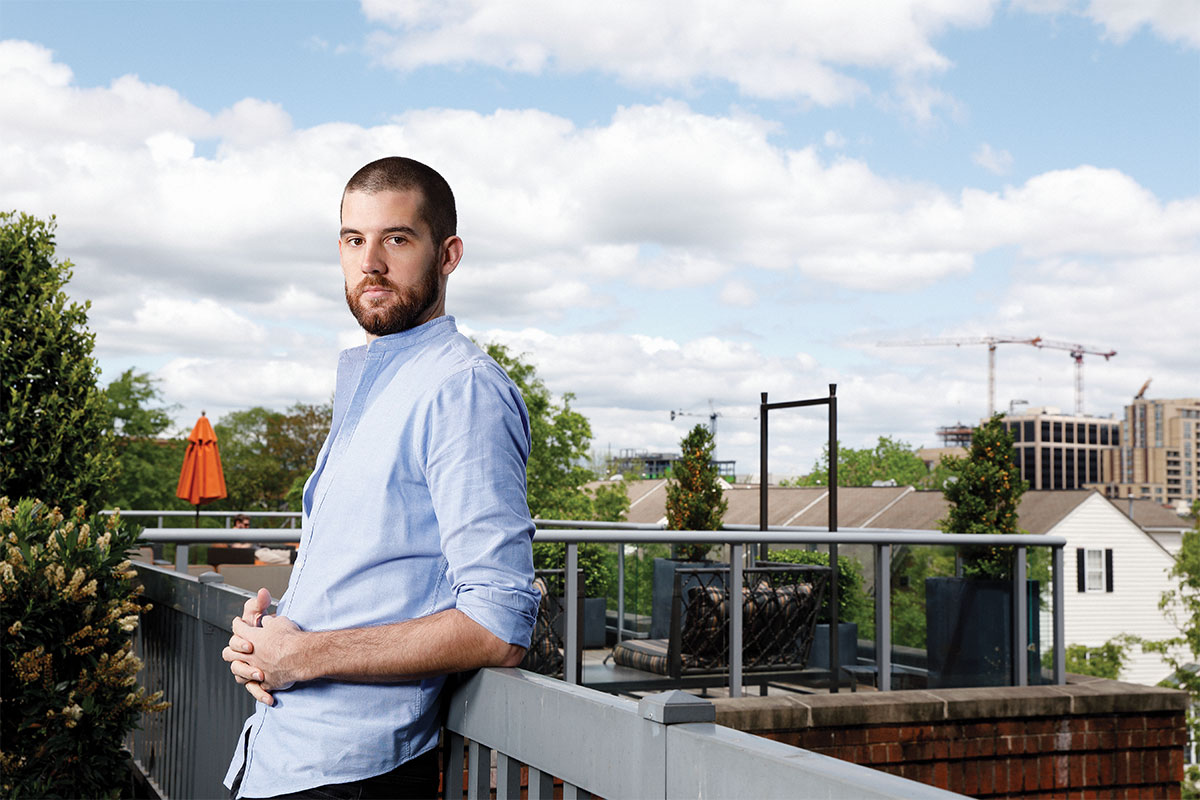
[712, 419]
[1078, 351]
[990, 341]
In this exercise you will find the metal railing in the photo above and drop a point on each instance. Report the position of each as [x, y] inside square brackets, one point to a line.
[665, 746]
[292, 517]
[737, 538]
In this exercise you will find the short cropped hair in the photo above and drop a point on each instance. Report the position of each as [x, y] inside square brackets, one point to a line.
[399, 174]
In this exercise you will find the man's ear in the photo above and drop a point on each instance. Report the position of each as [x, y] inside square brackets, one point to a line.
[452, 253]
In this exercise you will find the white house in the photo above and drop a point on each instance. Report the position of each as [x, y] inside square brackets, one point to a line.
[1116, 574]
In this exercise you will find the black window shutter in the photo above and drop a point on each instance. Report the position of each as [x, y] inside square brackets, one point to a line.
[1081, 569]
[1108, 570]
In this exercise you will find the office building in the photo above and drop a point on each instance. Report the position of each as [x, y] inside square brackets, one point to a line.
[1063, 451]
[1160, 442]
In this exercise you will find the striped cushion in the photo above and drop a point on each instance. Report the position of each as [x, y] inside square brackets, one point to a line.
[649, 655]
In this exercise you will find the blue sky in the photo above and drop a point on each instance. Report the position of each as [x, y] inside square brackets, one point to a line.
[662, 208]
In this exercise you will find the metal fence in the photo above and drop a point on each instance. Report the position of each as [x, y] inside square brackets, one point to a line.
[664, 746]
[737, 538]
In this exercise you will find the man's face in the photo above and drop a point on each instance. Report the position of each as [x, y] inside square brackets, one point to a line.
[394, 271]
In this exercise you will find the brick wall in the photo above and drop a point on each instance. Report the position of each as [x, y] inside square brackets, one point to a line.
[1091, 738]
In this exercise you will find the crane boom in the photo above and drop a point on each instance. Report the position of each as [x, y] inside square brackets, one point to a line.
[990, 341]
[1077, 351]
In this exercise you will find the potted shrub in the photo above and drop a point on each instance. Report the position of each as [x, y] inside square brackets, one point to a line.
[68, 608]
[695, 502]
[593, 563]
[969, 619]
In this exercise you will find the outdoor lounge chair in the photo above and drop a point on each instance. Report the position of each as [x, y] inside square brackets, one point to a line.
[780, 603]
[547, 643]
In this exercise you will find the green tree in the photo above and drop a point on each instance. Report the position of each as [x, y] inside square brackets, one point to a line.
[148, 461]
[889, 459]
[561, 438]
[54, 439]
[295, 438]
[1181, 605]
[1104, 661]
[610, 501]
[695, 499]
[985, 498]
[254, 477]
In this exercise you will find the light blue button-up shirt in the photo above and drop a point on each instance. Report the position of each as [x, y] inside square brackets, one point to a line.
[417, 504]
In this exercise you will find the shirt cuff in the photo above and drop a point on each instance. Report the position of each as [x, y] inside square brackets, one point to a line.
[508, 614]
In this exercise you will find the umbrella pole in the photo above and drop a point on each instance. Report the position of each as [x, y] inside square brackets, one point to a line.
[197, 523]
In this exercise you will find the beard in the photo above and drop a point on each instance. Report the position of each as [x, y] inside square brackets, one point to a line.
[403, 310]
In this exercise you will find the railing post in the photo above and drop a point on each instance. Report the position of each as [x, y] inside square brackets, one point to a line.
[735, 620]
[571, 625]
[620, 591]
[479, 771]
[883, 615]
[1020, 620]
[1060, 636]
[181, 558]
[835, 658]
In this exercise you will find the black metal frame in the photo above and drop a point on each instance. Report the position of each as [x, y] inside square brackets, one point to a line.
[763, 409]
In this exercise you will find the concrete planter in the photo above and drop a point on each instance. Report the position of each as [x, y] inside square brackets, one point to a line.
[969, 632]
[847, 645]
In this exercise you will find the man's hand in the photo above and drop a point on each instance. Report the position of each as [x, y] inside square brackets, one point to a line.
[265, 658]
[252, 614]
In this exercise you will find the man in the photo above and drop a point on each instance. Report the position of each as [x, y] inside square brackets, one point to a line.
[415, 557]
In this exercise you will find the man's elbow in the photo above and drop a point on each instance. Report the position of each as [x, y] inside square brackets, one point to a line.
[510, 655]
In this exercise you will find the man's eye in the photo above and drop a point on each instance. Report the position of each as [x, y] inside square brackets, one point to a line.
[354, 241]
[397, 239]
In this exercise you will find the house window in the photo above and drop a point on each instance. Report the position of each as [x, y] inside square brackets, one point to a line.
[1094, 570]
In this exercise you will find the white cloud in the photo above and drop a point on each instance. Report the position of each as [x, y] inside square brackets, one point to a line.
[834, 140]
[570, 225]
[772, 51]
[659, 196]
[998, 162]
[738, 293]
[1171, 20]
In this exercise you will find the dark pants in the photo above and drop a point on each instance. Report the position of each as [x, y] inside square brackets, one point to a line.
[413, 780]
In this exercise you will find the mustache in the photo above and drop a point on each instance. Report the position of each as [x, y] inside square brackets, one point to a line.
[374, 281]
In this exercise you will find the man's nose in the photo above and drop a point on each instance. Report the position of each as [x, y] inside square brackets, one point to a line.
[372, 259]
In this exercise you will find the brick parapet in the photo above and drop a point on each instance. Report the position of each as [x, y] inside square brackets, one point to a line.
[1092, 737]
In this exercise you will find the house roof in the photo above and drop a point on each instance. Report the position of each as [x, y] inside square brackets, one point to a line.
[898, 507]
[1152, 515]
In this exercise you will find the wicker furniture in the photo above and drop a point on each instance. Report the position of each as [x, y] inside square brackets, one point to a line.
[780, 603]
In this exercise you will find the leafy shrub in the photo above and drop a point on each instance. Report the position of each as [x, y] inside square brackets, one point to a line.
[853, 604]
[68, 607]
[592, 562]
[695, 499]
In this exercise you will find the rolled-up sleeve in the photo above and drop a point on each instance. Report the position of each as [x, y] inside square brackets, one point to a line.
[477, 445]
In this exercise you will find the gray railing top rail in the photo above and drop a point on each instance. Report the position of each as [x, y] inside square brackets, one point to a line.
[640, 750]
[775, 535]
[179, 513]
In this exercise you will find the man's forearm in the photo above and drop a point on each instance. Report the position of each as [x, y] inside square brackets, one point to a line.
[448, 641]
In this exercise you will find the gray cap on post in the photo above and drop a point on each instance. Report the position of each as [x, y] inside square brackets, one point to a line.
[669, 708]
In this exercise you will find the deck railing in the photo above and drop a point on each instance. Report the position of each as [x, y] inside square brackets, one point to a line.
[595, 744]
[737, 538]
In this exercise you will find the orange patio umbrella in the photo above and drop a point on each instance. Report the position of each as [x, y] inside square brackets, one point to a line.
[201, 479]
